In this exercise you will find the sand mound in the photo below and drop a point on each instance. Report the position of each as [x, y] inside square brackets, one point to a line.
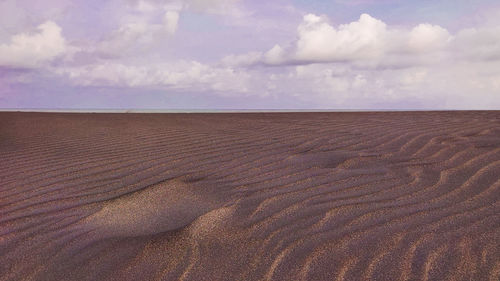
[162, 207]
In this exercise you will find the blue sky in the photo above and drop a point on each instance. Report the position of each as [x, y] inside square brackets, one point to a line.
[236, 54]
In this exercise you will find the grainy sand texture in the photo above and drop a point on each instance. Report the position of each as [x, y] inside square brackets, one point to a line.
[253, 196]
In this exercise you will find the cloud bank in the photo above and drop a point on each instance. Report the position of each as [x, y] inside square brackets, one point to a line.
[367, 40]
[161, 46]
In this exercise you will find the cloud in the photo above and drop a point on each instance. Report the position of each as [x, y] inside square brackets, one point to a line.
[213, 6]
[369, 64]
[244, 59]
[297, 60]
[29, 50]
[219, 7]
[478, 44]
[119, 74]
[367, 42]
[171, 20]
[427, 37]
[363, 2]
[319, 41]
[191, 75]
[143, 26]
[146, 24]
[275, 56]
[362, 64]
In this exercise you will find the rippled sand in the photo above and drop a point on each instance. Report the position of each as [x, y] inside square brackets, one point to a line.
[254, 196]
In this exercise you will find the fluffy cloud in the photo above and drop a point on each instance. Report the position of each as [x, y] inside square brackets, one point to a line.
[369, 64]
[275, 56]
[427, 37]
[363, 64]
[28, 50]
[156, 46]
[367, 42]
[319, 41]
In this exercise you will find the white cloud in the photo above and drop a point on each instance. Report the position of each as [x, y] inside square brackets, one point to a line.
[176, 75]
[148, 23]
[367, 42]
[478, 43]
[244, 59]
[326, 85]
[144, 26]
[219, 7]
[413, 77]
[145, 6]
[119, 74]
[216, 7]
[171, 20]
[128, 36]
[33, 49]
[275, 56]
[359, 81]
[427, 37]
[362, 64]
[319, 41]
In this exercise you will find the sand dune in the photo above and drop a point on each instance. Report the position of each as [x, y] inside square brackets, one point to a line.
[281, 196]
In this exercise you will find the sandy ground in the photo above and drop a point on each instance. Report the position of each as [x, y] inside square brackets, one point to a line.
[281, 196]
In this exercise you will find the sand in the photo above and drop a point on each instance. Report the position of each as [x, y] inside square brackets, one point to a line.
[254, 196]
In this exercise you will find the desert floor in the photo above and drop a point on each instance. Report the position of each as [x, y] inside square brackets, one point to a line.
[251, 196]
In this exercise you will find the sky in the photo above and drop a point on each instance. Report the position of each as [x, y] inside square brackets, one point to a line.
[238, 54]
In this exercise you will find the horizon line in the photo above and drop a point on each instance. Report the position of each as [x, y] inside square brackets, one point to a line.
[61, 110]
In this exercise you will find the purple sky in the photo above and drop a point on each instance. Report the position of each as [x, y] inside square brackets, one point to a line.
[235, 54]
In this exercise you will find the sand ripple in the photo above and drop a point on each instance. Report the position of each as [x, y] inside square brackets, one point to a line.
[288, 196]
